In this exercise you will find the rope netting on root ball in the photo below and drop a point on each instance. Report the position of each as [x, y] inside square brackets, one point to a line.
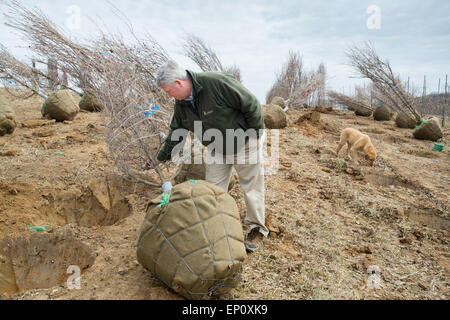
[194, 241]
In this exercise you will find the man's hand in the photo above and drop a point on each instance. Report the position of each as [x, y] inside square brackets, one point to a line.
[150, 165]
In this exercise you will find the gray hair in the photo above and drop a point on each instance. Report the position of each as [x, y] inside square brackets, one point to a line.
[169, 72]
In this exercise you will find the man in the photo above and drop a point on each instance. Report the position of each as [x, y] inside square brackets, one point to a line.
[221, 103]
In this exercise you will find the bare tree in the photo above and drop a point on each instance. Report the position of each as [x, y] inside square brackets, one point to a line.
[27, 78]
[293, 83]
[64, 80]
[369, 65]
[322, 73]
[47, 41]
[18, 75]
[52, 72]
[288, 79]
[355, 103]
[198, 51]
[235, 71]
[121, 76]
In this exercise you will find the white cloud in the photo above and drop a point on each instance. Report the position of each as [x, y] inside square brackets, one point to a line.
[257, 35]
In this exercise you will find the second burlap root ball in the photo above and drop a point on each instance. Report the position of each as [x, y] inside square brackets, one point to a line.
[7, 118]
[279, 101]
[274, 117]
[60, 106]
[382, 114]
[428, 130]
[405, 121]
[363, 112]
[89, 103]
[195, 243]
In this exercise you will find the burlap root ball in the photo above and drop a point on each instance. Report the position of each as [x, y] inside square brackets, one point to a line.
[89, 103]
[279, 101]
[428, 130]
[363, 112]
[274, 117]
[7, 118]
[60, 106]
[195, 243]
[382, 114]
[404, 121]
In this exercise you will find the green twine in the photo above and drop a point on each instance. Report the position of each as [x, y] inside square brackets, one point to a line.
[165, 198]
[39, 228]
[193, 181]
[420, 124]
[438, 147]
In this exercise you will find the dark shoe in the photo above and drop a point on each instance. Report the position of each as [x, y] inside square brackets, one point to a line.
[254, 240]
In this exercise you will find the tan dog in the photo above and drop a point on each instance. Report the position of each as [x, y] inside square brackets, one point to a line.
[357, 141]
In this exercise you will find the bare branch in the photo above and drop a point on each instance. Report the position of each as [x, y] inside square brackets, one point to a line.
[369, 65]
[354, 103]
[121, 76]
[196, 49]
[293, 83]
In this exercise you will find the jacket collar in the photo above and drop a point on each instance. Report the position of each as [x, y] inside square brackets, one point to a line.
[196, 86]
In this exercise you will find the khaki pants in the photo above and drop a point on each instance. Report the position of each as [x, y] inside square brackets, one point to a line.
[249, 166]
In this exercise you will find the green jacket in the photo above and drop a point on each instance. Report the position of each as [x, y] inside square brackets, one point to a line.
[222, 103]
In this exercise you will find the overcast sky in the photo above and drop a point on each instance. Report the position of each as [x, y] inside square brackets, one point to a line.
[257, 36]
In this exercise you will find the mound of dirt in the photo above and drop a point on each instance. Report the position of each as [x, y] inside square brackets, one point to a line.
[310, 124]
[36, 123]
[313, 117]
[327, 110]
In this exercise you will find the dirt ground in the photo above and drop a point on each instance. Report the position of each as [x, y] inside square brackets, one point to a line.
[339, 230]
